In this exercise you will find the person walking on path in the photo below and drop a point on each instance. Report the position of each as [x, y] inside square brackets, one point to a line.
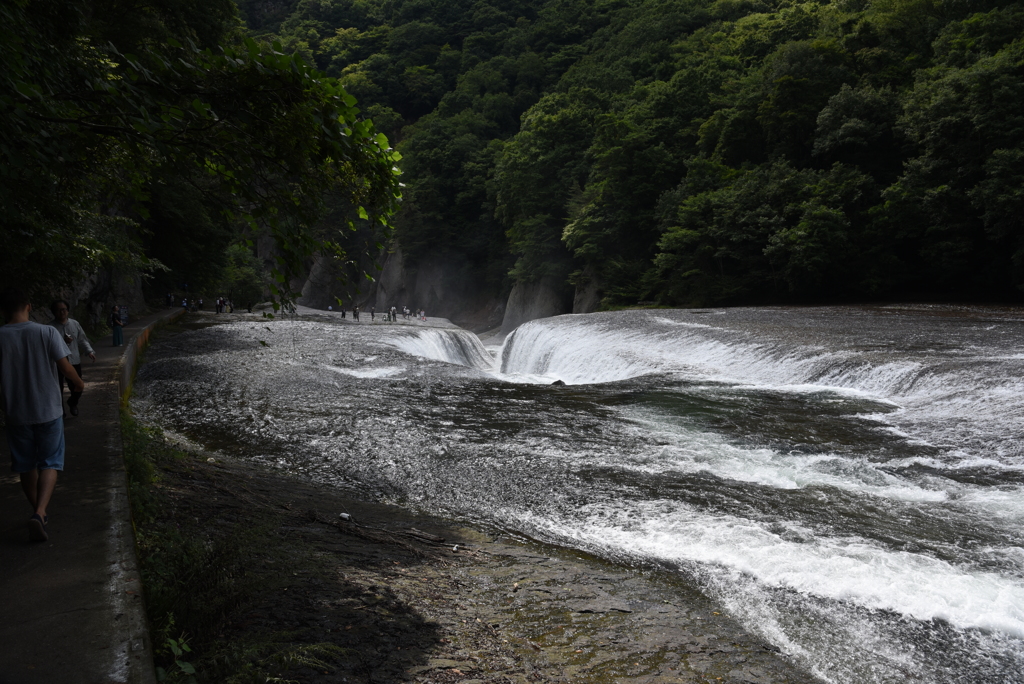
[117, 325]
[31, 355]
[74, 336]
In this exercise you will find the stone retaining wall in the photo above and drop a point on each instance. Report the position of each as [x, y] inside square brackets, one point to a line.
[134, 347]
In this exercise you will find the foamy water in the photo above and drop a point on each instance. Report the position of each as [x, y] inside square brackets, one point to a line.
[848, 483]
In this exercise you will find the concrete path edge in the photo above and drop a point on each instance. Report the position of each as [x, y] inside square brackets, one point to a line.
[126, 562]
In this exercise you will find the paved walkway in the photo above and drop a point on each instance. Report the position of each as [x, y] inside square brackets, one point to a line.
[71, 608]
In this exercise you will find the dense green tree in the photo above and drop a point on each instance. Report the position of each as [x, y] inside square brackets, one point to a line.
[244, 282]
[673, 150]
[85, 126]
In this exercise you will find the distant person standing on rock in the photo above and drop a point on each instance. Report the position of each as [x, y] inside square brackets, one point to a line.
[117, 325]
[355, 312]
[74, 336]
[31, 355]
[373, 313]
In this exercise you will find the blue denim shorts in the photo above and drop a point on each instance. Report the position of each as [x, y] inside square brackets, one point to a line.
[39, 446]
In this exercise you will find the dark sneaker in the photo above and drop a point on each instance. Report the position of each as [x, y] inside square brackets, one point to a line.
[74, 410]
[36, 529]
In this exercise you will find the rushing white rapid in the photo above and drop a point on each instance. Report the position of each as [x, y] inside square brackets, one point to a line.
[847, 482]
[964, 394]
[456, 346]
[958, 392]
[965, 400]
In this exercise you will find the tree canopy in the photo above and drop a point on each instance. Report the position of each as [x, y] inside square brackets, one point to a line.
[119, 121]
[681, 151]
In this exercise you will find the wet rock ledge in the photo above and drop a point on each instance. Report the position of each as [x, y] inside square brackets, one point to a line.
[409, 598]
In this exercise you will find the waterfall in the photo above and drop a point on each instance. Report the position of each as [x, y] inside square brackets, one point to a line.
[962, 393]
[847, 482]
[458, 347]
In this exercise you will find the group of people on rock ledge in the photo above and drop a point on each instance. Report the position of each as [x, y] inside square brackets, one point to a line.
[195, 304]
[36, 362]
[391, 314]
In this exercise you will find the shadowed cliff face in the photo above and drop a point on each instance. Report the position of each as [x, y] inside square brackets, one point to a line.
[443, 287]
[92, 297]
[530, 301]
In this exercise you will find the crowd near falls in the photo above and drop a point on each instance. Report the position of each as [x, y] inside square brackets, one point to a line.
[848, 483]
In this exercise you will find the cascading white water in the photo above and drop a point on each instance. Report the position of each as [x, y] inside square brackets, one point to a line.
[847, 482]
[441, 344]
[972, 397]
[958, 391]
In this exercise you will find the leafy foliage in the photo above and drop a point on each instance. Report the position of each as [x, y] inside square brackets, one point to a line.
[245, 283]
[258, 134]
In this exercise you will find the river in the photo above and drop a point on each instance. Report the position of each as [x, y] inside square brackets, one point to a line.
[846, 481]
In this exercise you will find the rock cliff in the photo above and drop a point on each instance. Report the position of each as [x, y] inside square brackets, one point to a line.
[588, 294]
[529, 301]
[442, 286]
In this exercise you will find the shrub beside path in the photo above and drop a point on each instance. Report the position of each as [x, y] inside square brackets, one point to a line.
[71, 608]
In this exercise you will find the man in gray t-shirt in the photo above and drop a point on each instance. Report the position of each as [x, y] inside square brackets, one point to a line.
[31, 355]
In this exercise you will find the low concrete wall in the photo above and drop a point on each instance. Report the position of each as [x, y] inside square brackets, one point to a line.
[125, 566]
[136, 345]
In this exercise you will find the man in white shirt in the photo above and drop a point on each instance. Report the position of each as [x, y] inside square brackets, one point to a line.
[31, 355]
[74, 336]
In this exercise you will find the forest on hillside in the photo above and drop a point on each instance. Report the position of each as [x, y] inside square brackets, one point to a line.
[683, 152]
[693, 152]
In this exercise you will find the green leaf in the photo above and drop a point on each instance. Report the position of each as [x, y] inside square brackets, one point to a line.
[363, 214]
[26, 89]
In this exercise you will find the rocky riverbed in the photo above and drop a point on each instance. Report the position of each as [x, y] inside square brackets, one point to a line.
[411, 598]
[843, 483]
